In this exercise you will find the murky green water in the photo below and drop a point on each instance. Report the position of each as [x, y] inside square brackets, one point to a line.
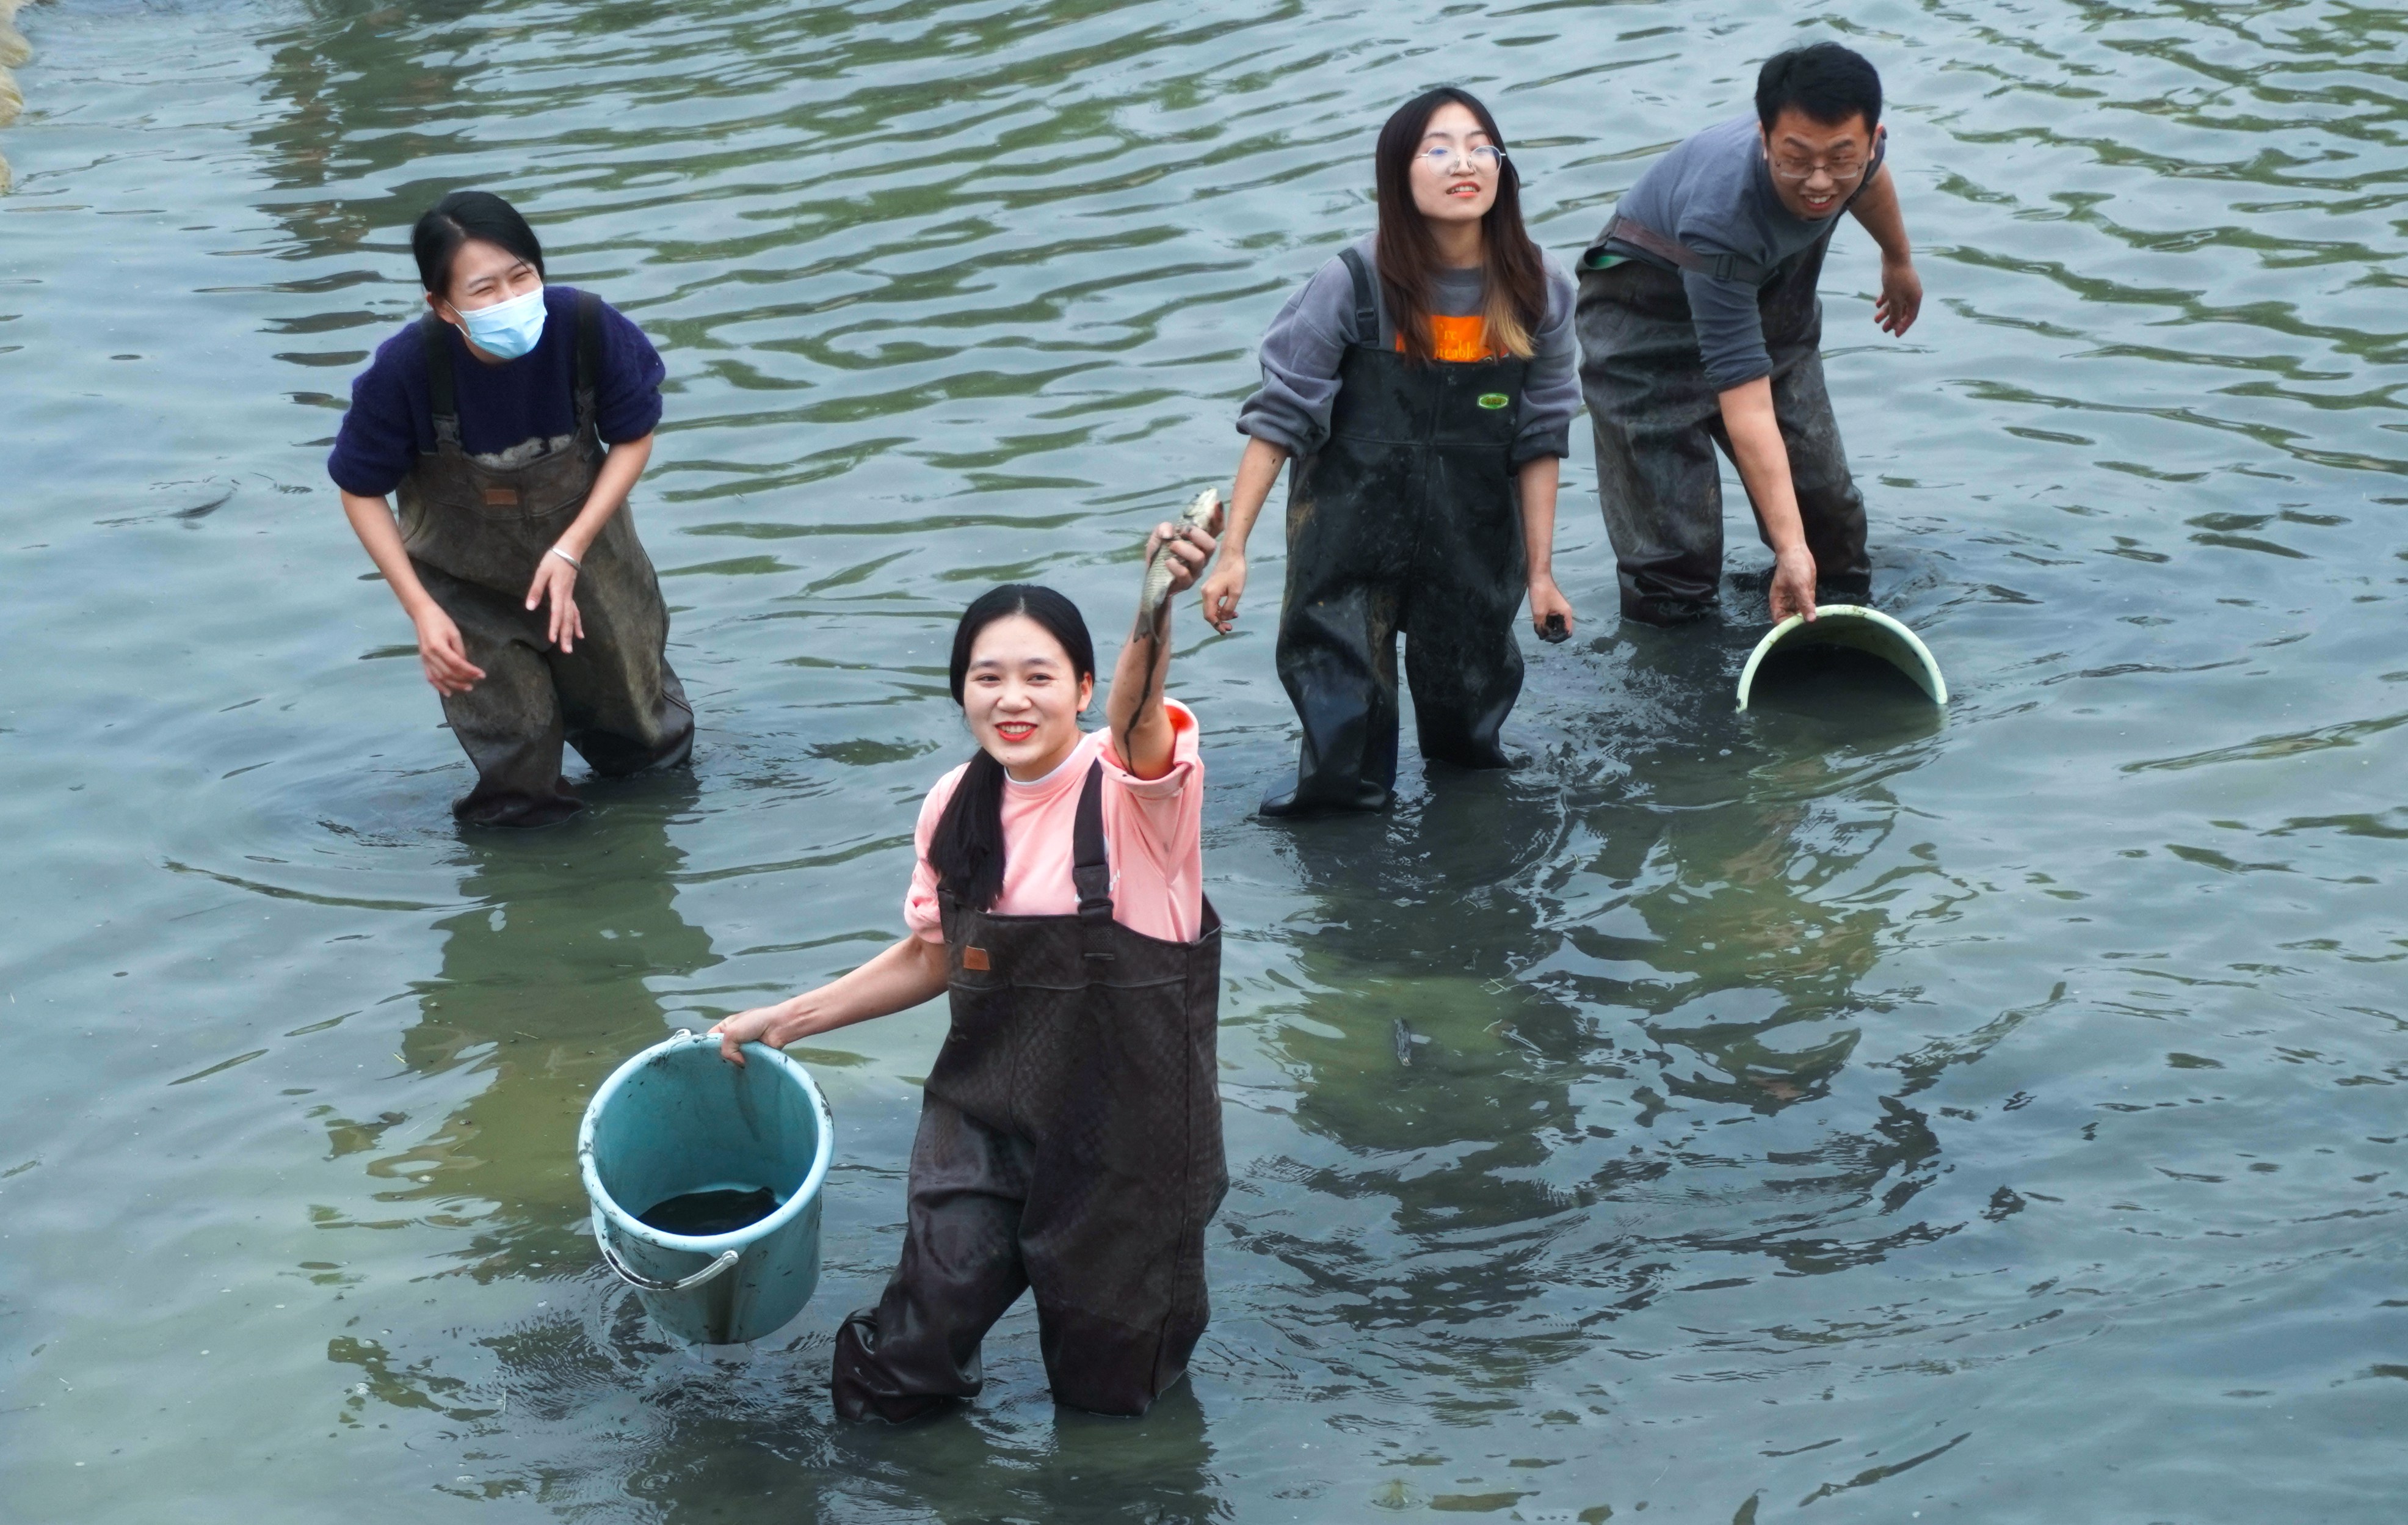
[1827, 1113]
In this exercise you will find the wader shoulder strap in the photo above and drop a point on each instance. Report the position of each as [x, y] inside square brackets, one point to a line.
[1091, 868]
[589, 353]
[442, 397]
[1714, 267]
[1367, 309]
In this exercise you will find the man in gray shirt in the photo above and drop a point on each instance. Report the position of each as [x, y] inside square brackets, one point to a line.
[1699, 326]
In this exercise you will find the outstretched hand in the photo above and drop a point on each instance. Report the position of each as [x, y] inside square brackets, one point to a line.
[1902, 296]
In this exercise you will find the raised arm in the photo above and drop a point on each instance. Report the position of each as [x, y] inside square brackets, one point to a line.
[1141, 730]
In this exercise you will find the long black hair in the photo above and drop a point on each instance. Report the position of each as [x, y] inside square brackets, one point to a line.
[1407, 255]
[966, 850]
[456, 219]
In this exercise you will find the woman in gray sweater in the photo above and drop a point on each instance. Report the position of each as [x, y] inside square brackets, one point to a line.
[1424, 381]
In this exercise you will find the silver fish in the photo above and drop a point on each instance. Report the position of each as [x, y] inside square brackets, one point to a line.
[1157, 567]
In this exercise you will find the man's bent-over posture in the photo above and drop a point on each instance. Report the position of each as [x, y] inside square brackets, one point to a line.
[1699, 326]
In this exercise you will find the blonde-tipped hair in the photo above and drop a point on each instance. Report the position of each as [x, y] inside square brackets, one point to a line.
[1407, 255]
[1500, 319]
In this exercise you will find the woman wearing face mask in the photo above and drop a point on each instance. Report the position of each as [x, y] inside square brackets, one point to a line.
[513, 418]
[1425, 381]
[1069, 1136]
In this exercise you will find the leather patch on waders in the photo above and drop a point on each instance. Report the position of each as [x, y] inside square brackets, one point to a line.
[976, 958]
[501, 497]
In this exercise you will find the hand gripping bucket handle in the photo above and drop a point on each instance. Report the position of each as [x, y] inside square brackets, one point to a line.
[610, 1258]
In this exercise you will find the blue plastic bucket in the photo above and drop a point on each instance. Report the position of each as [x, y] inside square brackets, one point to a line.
[678, 1118]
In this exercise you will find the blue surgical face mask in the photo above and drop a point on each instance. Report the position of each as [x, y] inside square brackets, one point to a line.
[508, 329]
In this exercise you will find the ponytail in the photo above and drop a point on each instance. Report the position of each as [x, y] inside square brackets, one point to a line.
[967, 848]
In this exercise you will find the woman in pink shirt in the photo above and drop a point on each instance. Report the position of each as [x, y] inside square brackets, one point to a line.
[1069, 1136]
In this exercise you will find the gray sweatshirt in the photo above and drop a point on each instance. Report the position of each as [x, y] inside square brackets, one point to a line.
[1715, 194]
[1301, 350]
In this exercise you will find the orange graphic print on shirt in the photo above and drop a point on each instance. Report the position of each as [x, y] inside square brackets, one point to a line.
[1457, 339]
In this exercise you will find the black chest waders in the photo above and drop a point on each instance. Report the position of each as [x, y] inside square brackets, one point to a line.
[1658, 423]
[1070, 1144]
[476, 528]
[1405, 520]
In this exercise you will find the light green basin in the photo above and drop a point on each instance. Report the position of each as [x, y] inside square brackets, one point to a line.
[1858, 629]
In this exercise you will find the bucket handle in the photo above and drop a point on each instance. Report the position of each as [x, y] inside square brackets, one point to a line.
[726, 1258]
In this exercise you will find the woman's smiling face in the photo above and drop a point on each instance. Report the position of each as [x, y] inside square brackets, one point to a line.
[483, 274]
[1022, 698]
[1452, 184]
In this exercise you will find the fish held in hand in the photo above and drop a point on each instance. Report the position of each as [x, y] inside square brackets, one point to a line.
[1158, 566]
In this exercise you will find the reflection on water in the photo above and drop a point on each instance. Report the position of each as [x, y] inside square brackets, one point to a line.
[545, 988]
[1838, 1107]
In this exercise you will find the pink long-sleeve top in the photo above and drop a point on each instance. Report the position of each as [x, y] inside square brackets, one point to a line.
[1153, 832]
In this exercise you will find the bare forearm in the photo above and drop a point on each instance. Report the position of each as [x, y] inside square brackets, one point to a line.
[906, 974]
[1877, 209]
[372, 522]
[1141, 728]
[1541, 478]
[1258, 470]
[612, 486]
[1763, 460]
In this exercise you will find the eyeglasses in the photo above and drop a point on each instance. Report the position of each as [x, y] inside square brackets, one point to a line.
[1790, 167]
[1484, 158]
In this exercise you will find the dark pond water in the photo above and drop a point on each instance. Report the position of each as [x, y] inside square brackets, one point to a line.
[717, 1210]
[1833, 1112]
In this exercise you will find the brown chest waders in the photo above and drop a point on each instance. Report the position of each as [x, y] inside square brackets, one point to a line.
[476, 528]
[1070, 1144]
[1405, 520]
[1658, 423]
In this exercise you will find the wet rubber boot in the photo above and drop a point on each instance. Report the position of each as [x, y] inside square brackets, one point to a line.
[1337, 658]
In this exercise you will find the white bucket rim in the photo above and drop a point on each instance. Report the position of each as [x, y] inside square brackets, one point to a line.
[1930, 680]
[735, 1238]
